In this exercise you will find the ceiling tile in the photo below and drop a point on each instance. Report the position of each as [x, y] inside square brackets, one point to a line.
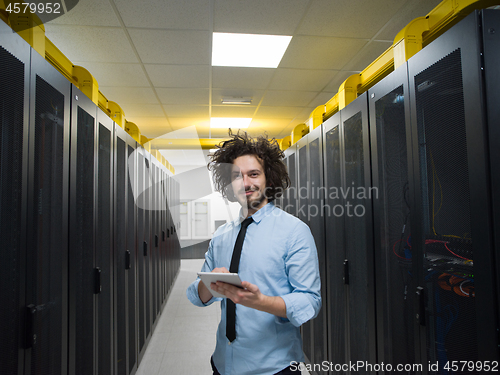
[288, 98]
[187, 76]
[186, 111]
[233, 111]
[91, 44]
[411, 10]
[309, 52]
[165, 14]
[181, 122]
[277, 17]
[183, 96]
[190, 47]
[142, 110]
[350, 19]
[301, 79]
[138, 95]
[241, 78]
[367, 55]
[218, 94]
[116, 75]
[89, 13]
[152, 127]
[277, 112]
[272, 126]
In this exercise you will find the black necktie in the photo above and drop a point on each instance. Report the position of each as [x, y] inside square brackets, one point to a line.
[235, 263]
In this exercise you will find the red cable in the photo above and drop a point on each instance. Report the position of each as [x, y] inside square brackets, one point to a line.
[394, 250]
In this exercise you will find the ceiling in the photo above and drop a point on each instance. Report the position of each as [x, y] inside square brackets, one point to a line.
[153, 57]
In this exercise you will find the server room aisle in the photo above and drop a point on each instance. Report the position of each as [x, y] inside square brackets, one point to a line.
[184, 339]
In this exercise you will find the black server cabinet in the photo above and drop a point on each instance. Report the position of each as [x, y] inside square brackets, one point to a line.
[142, 249]
[47, 225]
[311, 204]
[91, 347]
[301, 162]
[452, 225]
[336, 301]
[389, 107]
[154, 240]
[104, 253]
[84, 285]
[125, 264]
[291, 193]
[14, 117]
[357, 212]
[315, 215]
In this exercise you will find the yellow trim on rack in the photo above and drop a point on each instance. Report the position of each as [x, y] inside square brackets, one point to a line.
[133, 130]
[29, 27]
[285, 142]
[86, 83]
[116, 113]
[348, 90]
[298, 132]
[316, 117]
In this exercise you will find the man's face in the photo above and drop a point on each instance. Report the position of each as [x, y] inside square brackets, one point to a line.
[248, 181]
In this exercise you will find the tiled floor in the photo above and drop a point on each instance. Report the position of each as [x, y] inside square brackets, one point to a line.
[184, 338]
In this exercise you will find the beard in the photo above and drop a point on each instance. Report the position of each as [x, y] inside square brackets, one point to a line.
[254, 202]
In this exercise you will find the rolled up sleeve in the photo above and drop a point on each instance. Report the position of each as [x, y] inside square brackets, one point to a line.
[192, 290]
[304, 302]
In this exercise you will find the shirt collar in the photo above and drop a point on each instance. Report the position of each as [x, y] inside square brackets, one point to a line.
[259, 215]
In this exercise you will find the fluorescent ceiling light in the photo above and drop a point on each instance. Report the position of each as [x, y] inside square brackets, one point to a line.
[227, 122]
[236, 100]
[248, 50]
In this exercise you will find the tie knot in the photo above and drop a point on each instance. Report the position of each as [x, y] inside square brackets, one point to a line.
[245, 223]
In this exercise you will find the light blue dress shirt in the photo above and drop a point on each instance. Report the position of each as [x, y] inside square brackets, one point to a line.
[280, 257]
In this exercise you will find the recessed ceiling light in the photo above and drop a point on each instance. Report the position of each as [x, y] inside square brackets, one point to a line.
[228, 122]
[236, 100]
[248, 50]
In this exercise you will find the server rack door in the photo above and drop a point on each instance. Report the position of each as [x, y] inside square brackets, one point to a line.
[132, 246]
[150, 245]
[315, 216]
[284, 197]
[154, 239]
[104, 240]
[454, 235]
[83, 274]
[291, 207]
[302, 163]
[491, 49]
[141, 250]
[124, 254]
[358, 231]
[336, 301]
[14, 116]
[47, 260]
[389, 107]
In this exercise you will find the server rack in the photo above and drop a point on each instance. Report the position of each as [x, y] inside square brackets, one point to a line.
[453, 200]
[141, 250]
[125, 256]
[316, 223]
[104, 242]
[291, 193]
[84, 273]
[47, 238]
[300, 159]
[389, 107]
[14, 117]
[311, 205]
[336, 301]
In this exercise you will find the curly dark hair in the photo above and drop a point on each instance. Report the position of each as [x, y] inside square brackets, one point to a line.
[267, 151]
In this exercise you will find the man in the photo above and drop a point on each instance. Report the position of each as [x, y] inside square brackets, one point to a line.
[278, 265]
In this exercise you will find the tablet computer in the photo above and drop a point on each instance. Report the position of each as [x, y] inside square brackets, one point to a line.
[212, 277]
